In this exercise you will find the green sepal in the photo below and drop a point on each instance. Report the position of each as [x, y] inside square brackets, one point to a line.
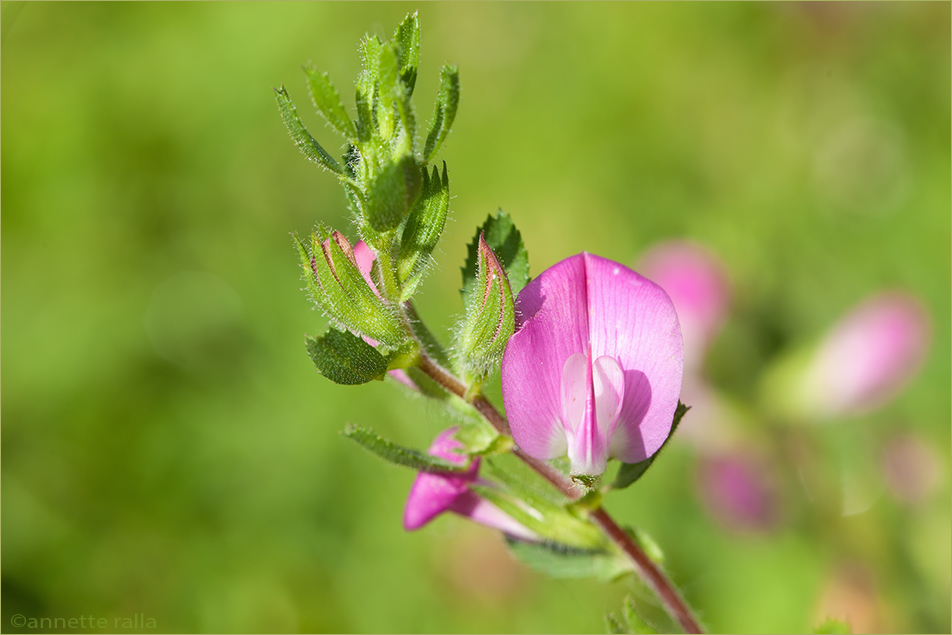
[340, 289]
[399, 455]
[628, 473]
[480, 438]
[327, 101]
[345, 358]
[561, 561]
[548, 518]
[387, 76]
[406, 356]
[833, 626]
[490, 317]
[301, 137]
[391, 193]
[506, 242]
[423, 229]
[447, 101]
[407, 38]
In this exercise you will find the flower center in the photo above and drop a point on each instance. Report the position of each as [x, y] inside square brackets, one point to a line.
[592, 397]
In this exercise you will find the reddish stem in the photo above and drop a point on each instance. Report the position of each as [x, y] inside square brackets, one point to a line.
[645, 567]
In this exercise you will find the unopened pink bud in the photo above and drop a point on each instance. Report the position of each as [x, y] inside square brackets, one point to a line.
[697, 283]
[869, 357]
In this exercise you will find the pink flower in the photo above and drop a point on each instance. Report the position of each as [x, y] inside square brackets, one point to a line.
[698, 285]
[739, 491]
[868, 357]
[594, 367]
[432, 494]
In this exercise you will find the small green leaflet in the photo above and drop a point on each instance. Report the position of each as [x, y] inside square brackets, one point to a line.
[399, 455]
[301, 137]
[346, 359]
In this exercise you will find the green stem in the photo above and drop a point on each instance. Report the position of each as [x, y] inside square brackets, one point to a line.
[646, 568]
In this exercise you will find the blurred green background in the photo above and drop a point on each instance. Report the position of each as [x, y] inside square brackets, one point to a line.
[169, 450]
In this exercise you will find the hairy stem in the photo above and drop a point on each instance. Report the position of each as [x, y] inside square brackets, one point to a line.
[646, 568]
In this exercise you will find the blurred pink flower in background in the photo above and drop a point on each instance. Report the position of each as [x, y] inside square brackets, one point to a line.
[868, 357]
[739, 490]
[433, 494]
[698, 285]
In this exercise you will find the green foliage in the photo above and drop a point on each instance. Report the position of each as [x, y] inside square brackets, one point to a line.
[628, 473]
[445, 112]
[407, 38]
[560, 561]
[345, 358]
[308, 146]
[337, 286]
[399, 455]
[490, 317]
[391, 193]
[384, 177]
[326, 99]
[423, 229]
[504, 239]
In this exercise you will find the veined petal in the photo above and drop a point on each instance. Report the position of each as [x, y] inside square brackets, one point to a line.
[633, 320]
[580, 309]
[365, 257]
[552, 325]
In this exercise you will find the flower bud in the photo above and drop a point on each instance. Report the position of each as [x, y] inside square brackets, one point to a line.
[490, 318]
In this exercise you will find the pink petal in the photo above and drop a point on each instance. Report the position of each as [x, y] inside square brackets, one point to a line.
[552, 325]
[634, 321]
[365, 261]
[472, 506]
[585, 308]
[433, 494]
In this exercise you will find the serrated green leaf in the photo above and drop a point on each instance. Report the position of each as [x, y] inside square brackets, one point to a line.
[327, 101]
[407, 38]
[391, 193]
[345, 358]
[399, 455]
[628, 473]
[561, 561]
[490, 317]
[505, 240]
[833, 626]
[447, 102]
[423, 229]
[308, 146]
